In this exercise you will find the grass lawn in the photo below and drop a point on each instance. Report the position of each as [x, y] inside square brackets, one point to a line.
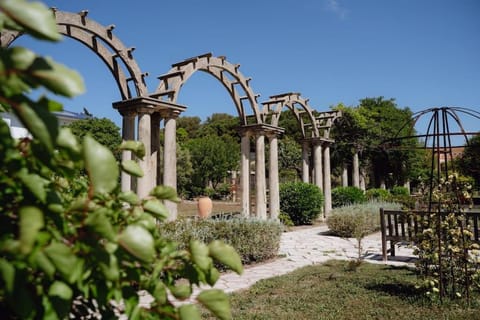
[330, 291]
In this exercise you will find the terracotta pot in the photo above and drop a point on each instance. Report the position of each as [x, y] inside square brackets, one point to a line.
[204, 207]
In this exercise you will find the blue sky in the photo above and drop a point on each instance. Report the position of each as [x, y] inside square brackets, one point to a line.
[423, 53]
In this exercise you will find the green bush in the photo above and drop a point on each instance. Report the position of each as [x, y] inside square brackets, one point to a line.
[342, 196]
[285, 219]
[377, 194]
[254, 240]
[301, 201]
[358, 219]
[400, 191]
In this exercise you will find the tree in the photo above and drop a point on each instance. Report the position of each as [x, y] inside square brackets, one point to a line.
[102, 130]
[370, 128]
[469, 163]
[190, 125]
[62, 253]
[212, 159]
[220, 125]
[289, 159]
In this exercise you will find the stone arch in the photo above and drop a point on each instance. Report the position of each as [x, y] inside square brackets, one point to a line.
[273, 109]
[103, 43]
[228, 74]
[315, 128]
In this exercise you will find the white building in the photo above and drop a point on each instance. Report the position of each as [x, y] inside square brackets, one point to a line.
[18, 131]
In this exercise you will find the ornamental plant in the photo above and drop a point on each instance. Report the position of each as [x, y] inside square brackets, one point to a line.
[448, 258]
[343, 196]
[301, 201]
[73, 244]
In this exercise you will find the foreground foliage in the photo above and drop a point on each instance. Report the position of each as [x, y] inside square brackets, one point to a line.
[70, 244]
[330, 291]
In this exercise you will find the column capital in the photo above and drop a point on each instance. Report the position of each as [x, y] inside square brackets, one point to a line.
[147, 104]
[318, 141]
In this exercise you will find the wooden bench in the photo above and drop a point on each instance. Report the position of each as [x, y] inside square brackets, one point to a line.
[402, 226]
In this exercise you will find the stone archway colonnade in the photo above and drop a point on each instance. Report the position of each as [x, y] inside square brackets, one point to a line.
[143, 113]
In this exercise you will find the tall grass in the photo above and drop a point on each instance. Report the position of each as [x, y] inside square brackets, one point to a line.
[254, 240]
[358, 219]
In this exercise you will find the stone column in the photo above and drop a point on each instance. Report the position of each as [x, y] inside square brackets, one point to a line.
[156, 118]
[344, 175]
[273, 179]
[170, 160]
[245, 173]
[317, 165]
[261, 196]
[363, 183]
[327, 184]
[144, 184]
[305, 162]
[128, 133]
[356, 171]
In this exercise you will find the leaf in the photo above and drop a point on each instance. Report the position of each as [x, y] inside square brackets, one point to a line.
[181, 291]
[109, 265]
[136, 147]
[132, 167]
[99, 223]
[147, 221]
[44, 263]
[212, 276]
[66, 139]
[60, 296]
[217, 302]
[200, 256]
[60, 289]
[138, 242]
[156, 208]
[189, 312]
[7, 271]
[56, 77]
[34, 183]
[129, 197]
[226, 254]
[31, 221]
[64, 261]
[39, 122]
[20, 58]
[101, 166]
[35, 17]
[165, 193]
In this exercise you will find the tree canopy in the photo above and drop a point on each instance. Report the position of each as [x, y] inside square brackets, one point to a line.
[373, 129]
[103, 130]
[469, 163]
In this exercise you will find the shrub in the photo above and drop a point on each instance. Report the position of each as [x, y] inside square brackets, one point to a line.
[400, 191]
[343, 196]
[301, 201]
[285, 219]
[377, 194]
[254, 240]
[358, 219]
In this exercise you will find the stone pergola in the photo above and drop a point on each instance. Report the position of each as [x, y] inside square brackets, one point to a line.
[315, 128]
[143, 113]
